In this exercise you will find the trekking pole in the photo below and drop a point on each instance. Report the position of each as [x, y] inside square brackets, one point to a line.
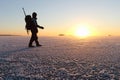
[25, 16]
[24, 11]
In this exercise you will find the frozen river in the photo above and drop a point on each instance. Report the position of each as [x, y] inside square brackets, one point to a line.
[60, 58]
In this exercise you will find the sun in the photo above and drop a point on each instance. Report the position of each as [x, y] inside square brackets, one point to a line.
[82, 31]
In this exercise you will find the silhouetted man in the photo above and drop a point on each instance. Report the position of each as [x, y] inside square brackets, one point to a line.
[34, 30]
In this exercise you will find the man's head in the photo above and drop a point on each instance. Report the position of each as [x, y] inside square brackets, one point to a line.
[34, 14]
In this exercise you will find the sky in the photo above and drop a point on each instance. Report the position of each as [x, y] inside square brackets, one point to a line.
[102, 17]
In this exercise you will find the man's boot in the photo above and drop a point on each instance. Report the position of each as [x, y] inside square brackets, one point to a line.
[30, 44]
[37, 44]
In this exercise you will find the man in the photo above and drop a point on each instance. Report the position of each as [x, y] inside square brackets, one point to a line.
[34, 30]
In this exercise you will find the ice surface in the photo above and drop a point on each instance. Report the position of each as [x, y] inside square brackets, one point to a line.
[60, 58]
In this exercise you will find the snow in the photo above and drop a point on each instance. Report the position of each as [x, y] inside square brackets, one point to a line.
[60, 58]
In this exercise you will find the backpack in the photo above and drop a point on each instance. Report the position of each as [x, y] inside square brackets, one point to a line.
[28, 21]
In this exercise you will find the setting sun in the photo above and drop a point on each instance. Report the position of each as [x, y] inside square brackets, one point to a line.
[82, 31]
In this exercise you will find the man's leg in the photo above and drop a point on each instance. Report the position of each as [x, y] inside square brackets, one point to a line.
[36, 40]
[31, 41]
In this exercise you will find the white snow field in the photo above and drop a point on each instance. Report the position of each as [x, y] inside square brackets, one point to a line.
[60, 58]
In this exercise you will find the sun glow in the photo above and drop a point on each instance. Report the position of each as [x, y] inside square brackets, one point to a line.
[82, 31]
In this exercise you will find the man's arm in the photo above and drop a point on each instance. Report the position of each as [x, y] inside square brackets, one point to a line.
[41, 27]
